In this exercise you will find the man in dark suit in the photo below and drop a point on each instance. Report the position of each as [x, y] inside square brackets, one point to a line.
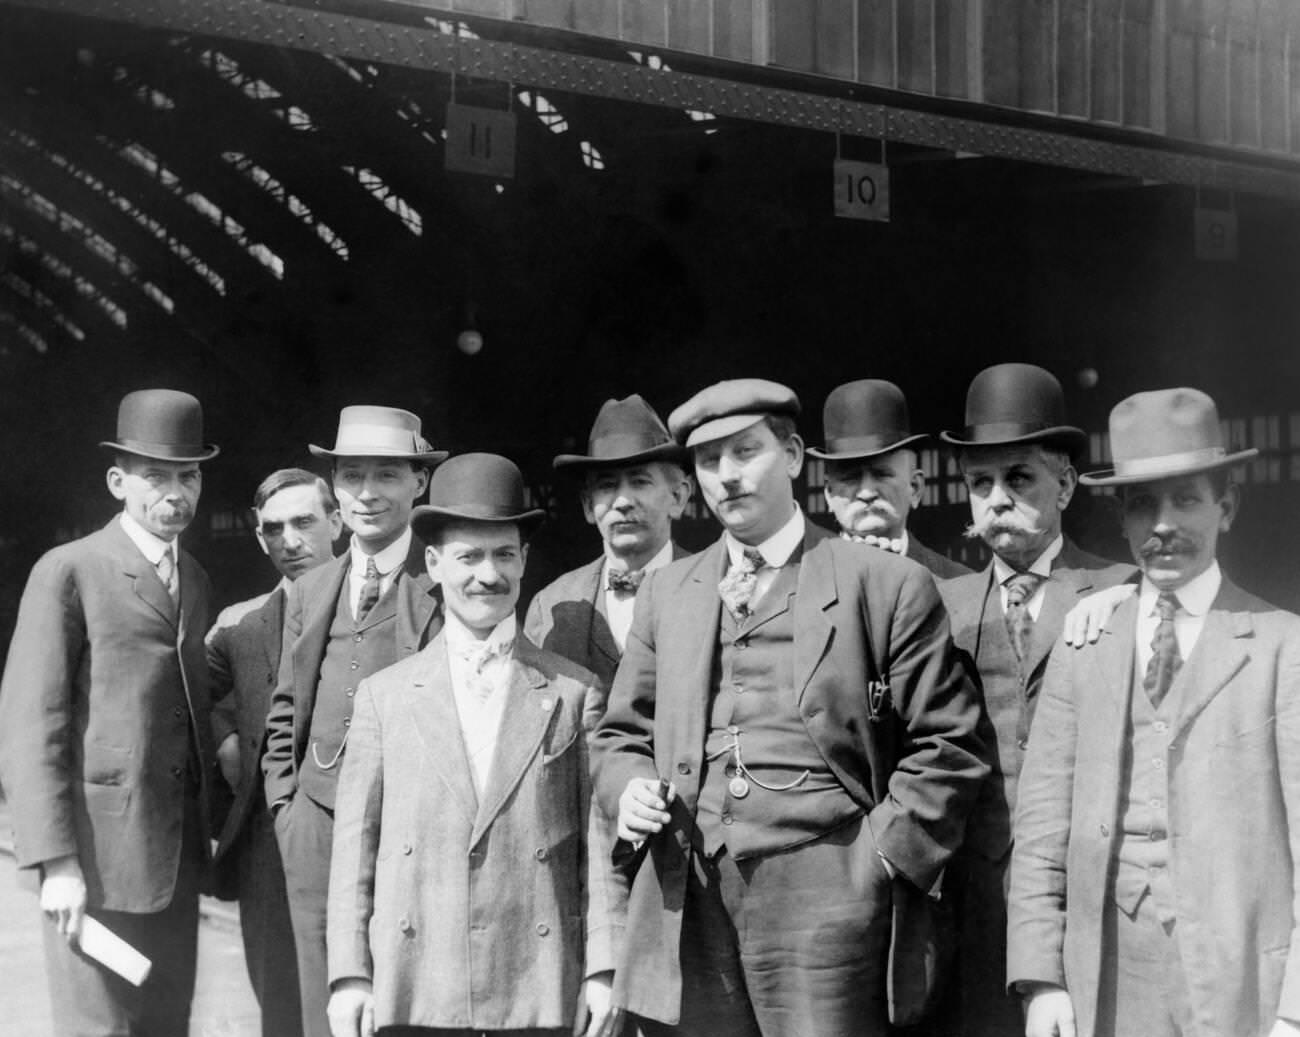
[873, 480]
[105, 736]
[1154, 882]
[1017, 457]
[633, 487]
[803, 697]
[363, 611]
[297, 523]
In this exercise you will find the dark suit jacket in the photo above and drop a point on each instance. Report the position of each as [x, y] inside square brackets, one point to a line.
[309, 612]
[864, 621]
[941, 566]
[102, 690]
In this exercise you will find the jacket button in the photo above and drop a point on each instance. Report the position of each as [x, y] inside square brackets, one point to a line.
[177, 772]
[406, 848]
[683, 768]
[543, 929]
[404, 924]
[178, 712]
[358, 638]
[540, 853]
[1105, 829]
[1022, 744]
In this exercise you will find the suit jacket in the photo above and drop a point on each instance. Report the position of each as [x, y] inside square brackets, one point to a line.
[309, 611]
[881, 691]
[1233, 762]
[568, 617]
[103, 687]
[467, 912]
[941, 566]
[979, 631]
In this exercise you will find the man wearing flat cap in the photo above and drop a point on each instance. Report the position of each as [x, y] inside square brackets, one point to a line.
[105, 737]
[365, 610]
[1016, 454]
[464, 896]
[1153, 883]
[790, 731]
[633, 487]
[873, 479]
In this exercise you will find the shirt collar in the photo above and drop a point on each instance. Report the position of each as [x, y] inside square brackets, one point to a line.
[1042, 565]
[461, 639]
[776, 549]
[662, 557]
[386, 560]
[152, 547]
[1195, 597]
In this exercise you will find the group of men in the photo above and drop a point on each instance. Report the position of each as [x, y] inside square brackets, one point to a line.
[742, 792]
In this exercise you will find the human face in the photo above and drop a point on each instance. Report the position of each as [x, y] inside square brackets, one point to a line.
[160, 495]
[1173, 526]
[376, 495]
[296, 531]
[479, 565]
[634, 508]
[1017, 494]
[747, 480]
[872, 496]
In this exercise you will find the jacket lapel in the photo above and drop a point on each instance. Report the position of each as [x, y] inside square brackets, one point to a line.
[271, 616]
[1065, 587]
[600, 639]
[309, 646]
[1222, 649]
[433, 713]
[1113, 656]
[817, 593]
[148, 587]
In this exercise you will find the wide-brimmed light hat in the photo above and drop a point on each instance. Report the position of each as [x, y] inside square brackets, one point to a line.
[369, 431]
[864, 419]
[1008, 404]
[476, 488]
[162, 424]
[625, 432]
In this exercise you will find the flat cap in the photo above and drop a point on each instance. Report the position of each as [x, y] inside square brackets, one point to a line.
[727, 407]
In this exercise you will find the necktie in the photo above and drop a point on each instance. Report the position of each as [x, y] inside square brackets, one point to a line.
[1165, 660]
[625, 582]
[369, 590]
[737, 587]
[1020, 624]
[167, 574]
[483, 657]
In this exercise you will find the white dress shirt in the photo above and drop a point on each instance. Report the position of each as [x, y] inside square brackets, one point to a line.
[387, 561]
[1042, 567]
[152, 547]
[1194, 601]
[776, 551]
[619, 607]
[480, 677]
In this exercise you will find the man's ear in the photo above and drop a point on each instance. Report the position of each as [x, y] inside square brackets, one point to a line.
[1069, 480]
[793, 448]
[916, 486]
[335, 520]
[431, 563]
[589, 513]
[1229, 506]
[682, 490]
[116, 479]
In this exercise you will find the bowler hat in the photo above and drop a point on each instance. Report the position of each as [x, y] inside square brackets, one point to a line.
[1016, 403]
[476, 488]
[864, 419]
[626, 432]
[727, 407]
[366, 431]
[1160, 434]
[162, 424]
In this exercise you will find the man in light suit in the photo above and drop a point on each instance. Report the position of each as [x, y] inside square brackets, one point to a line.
[463, 895]
[363, 611]
[801, 702]
[1016, 455]
[634, 487]
[873, 480]
[297, 523]
[1153, 886]
[105, 736]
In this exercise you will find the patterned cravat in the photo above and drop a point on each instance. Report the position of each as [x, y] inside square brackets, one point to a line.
[167, 574]
[1165, 661]
[624, 582]
[1020, 587]
[369, 590]
[737, 587]
[483, 658]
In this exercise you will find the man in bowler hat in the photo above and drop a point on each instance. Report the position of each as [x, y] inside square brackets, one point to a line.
[366, 609]
[873, 478]
[105, 736]
[1016, 454]
[466, 895]
[790, 731]
[1153, 882]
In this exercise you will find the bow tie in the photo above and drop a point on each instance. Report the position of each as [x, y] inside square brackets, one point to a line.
[624, 581]
[479, 653]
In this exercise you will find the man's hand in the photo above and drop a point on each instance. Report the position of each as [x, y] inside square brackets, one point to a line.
[1285, 1028]
[604, 1020]
[641, 811]
[1049, 1013]
[351, 1009]
[228, 759]
[63, 895]
[1084, 622]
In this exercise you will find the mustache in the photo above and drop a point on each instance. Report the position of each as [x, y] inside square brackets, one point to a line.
[991, 525]
[496, 587]
[1155, 544]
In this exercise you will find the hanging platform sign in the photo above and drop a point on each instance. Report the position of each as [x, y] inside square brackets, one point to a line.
[480, 140]
[861, 190]
[1216, 234]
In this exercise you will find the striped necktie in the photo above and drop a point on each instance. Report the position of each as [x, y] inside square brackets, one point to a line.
[369, 590]
[1165, 661]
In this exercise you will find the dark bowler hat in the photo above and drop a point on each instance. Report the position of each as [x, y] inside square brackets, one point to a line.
[863, 419]
[162, 424]
[626, 432]
[727, 407]
[476, 488]
[367, 431]
[1016, 403]
[1168, 432]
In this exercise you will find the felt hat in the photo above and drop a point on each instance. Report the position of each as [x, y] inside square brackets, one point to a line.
[366, 431]
[626, 432]
[864, 419]
[727, 407]
[1008, 404]
[1160, 434]
[476, 488]
[162, 424]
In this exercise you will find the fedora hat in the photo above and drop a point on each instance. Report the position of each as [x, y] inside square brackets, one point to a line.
[863, 419]
[1167, 432]
[366, 431]
[476, 488]
[162, 424]
[626, 432]
[1016, 403]
[727, 407]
